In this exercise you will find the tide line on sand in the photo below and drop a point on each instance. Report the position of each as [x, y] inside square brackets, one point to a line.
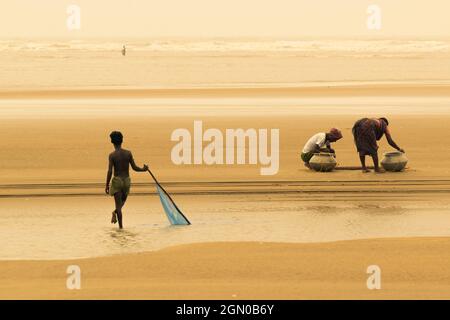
[394, 89]
[352, 188]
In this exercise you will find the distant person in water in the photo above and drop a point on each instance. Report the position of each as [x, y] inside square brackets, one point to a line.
[320, 142]
[120, 159]
[124, 50]
[366, 133]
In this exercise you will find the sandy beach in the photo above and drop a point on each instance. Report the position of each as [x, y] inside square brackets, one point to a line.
[296, 234]
[75, 154]
[262, 91]
[53, 167]
[414, 268]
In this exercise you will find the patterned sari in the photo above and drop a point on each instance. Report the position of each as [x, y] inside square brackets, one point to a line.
[366, 133]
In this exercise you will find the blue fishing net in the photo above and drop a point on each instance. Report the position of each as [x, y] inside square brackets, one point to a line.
[174, 214]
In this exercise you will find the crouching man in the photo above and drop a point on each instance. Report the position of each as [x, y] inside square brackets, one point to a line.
[320, 142]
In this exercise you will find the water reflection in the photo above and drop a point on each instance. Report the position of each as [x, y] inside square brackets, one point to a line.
[221, 220]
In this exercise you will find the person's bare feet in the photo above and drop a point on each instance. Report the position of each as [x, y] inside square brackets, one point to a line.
[379, 170]
[365, 170]
[114, 217]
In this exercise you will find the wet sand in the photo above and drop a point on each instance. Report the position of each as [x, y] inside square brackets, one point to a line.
[55, 155]
[37, 227]
[415, 268]
[256, 91]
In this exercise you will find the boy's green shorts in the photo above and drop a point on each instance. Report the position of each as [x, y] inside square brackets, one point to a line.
[120, 184]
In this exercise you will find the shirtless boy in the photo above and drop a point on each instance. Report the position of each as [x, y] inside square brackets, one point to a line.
[120, 159]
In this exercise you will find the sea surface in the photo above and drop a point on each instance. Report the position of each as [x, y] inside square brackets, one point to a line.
[162, 63]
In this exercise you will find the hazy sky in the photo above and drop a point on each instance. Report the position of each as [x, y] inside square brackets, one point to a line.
[208, 18]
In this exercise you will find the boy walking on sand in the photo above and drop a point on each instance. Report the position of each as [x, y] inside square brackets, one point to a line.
[120, 159]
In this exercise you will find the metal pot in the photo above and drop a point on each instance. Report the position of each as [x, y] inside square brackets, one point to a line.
[394, 161]
[323, 162]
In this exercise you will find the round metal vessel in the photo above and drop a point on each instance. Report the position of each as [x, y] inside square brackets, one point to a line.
[394, 161]
[323, 162]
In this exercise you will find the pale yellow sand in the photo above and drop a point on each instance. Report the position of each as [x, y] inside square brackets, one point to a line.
[57, 141]
[410, 268]
[53, 142]
[60, 100]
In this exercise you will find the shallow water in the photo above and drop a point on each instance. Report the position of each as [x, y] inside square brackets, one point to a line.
[75, 227]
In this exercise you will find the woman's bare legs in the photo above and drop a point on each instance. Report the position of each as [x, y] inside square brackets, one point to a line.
[376, 164]
[363, 164]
